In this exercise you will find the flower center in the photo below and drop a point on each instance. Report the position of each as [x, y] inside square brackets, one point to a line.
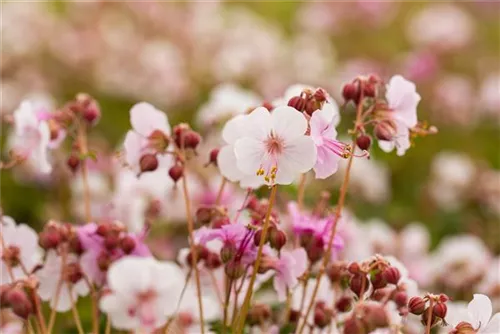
[274, 146]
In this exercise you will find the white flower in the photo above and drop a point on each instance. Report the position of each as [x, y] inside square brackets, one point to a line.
[144, 292]
[226, 101]
[20, 243]
[50, 276]
[402, 99]
[31, 137]
[275, 145]
[479, 313]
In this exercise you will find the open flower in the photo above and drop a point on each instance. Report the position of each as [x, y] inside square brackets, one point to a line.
[20, 249]
[402, 99]
[323, 133]
[275, 146]
[479, 317]
[149, 135]
[68, 277]
[144, 292]
[289, 266]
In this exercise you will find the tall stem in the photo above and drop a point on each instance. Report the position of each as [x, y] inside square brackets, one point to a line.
[76, 316]
[301, 191]
[226, 303]
[338, 212]
[193, 249]
[82, 143]
[221, 191]
[429, 318]
[240, 321]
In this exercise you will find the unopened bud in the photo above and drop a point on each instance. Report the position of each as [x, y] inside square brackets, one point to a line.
[343, 304]
[103, 229]
[234, 269]
[322, 317]
[391, 275]
[416, 305]
[176, 172]
[220, 221]
[277, 238]
[111, 242]
[19, 302]
[384, 131]
[351, 92]
[50, 238]
[127, 244]
[213, 261]
[191, 139]
[311, 106]
[359, 284]
[298, 103]
[294, 317]
[73, 273]
[89, 108]
[73, 162]
[369, 90]
[75, 245]
[204, 215]
[316, 249]
[320, 95]
[443, 298]
[378, 281]
[364, 142]
[426, 317]
[353, 326]
[148, 163]
[213, 156]
[258, 236]
[400, 298]
[103, 261]
[354, 268]
[227, 252]
[336, 271]
[440, 310]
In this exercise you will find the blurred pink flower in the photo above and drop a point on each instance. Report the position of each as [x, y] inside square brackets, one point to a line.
[289, 266]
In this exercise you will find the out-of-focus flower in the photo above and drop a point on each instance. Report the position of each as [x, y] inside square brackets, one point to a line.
[454, 100]
[275, 145]
[150, 129]
[323, 133]
[143, 293]
[226, 101]
[289, 267]
[490, 285]
[441, 27]
[489, 97]
[53, 273]
[420, 66]
[479, 316]
[402, 99]
[20, 249]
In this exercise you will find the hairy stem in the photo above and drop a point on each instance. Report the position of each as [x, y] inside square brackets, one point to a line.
[240, 320]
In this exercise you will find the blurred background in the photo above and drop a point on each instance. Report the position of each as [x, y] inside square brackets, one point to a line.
[174, 55]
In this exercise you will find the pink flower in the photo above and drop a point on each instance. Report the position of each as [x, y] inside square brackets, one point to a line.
[402, 99]
[289, 266]
[144, 292]
[150, 126]
[275, 146]
[50, 276]
[20, 247]
[323, 133]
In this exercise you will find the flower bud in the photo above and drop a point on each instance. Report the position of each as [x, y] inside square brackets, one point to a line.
[311, 106]
[364, 142]
[103, 229]
[322, 317]
[213, 156]
[176, 172]
[148, 163]
[315, 250]
[73, 273]
[440, 310]
[191, 139]
[220, 221]
[19, 302]
[213, 261]
[277, 238]
[104, 261]
[351, 92]
[416, 305]
[297, 102]
[336, 271]
[127, 244]
[354, 268]
[353, 326]
[320, 95]
[391, 275]
[294, 317]
[369, 90]
[258, 236]
[73, 162]
[227, 252]
[464, 328]
[234, 269]
[378, 281]
[384, 131]
[75, 245]
[343, 304]
[443, 298]
[400, 298]
[89, 108]
[50, 238]
[111, 242]
[359, 284]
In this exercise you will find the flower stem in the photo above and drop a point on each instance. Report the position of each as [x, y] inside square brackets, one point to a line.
[221, 191]
[53, 314]
[429, 318]
[76, 316]
[82, 143]
[226, 304]
[301, 191]
[338, 212]
[240, 320]
[193, 250]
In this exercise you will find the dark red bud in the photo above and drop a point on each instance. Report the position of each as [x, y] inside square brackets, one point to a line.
[359, 284]
[127, 244]
[73, 162]
[213, 156]
[316, 249]
[364, 142]
[369, 90]
[354, 268]
[298, 103]
[277, 238]
[400, 298]
[378, 281]
[384, 131]
[176, 172]
[440, 310]
[191, 139]
[148, 163]
[111, 242]
[19, 302]
[322, 317]
[416, 305]
[75, 245]
[391, 275]
[213, 261]
[50, 238]
[73, 273]
[104, 261]
[234, 270]
[89, 108]
[320, 95]
[351, 92]
[343, 304]
[425, 318]
[258, 236]
[103, 229]
[443, 298]
[353, 326]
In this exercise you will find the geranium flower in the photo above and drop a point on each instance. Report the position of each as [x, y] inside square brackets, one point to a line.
[275, 146]
[479, 316]
[50, 276]
[20, 249]
[150, 128]
[144, 292]
[323, 133]
[402, 99]
[289, 266]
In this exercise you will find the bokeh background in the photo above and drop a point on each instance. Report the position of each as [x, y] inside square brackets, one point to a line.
[177, 55]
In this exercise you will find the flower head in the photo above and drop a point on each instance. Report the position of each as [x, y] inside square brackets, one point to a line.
[289, 266]
[275, 146]
[479, 317]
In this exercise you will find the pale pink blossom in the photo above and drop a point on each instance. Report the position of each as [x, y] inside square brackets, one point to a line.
[144, 292]
[402, 99]
[52, 274]
[479, 316]
[275, 145]
[145, 120]
[289, 267]
[21, 242]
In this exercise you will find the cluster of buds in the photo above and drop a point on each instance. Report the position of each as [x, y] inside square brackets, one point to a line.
[314, 246]
[55, 234]
[366, 317]
[186, 138]
[323, 315]
[210, 259]
[276, 237]
[309, 101]
[212, 216]
[431, 308]
[360, 87]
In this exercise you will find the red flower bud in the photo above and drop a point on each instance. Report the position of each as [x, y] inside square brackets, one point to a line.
[320, 95]
[354, 268]
[298, 103]
[73, 273]
[191, 139]
[343, 304]
[424, 318]
[148, 163]
[378, 281]
[111, 242]
[19, 302]
[369, 90]
[351, 92]
[416, 305]
[359, 284]
[364, 142]
[73, 162]
[234, 270]
[127, 244]
[384, 131]
[258, 236]
[103, 229]
[75, 245]
[391, 275]
[353, 326]
[322, 317]
[213, 261]
[50, 238]
[315, 250]
[89, 108]
[104, 261]
[213, 156]
[336, 271]
[220, 221]
[204, 215]
[311, 106]
[277, 238]
[440, 310]
[400, 298]
[176, 172]
[443, 298]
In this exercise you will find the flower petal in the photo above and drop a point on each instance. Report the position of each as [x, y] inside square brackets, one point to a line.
[145, 118]
[299, 156]
[493, 327]
[327, 163]
[480, 310]
[258, 124]
[288, 123]
[233, 129]
[249, 154]
[226, 161]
